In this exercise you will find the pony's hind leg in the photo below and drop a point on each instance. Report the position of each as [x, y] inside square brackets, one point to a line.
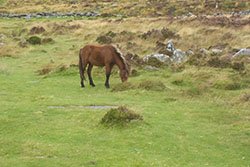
[82, 67]
[90, 66]
[82, 75]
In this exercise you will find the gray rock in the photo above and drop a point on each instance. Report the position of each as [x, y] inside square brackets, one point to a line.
[170, 46]
[189, 52]
[242, 52]
[216, 51]
[179, 56]
[204, 52]
[151, 68]
[1, 44]
[164, 59]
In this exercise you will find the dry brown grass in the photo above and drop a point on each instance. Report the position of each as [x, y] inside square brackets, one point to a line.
[124, 7]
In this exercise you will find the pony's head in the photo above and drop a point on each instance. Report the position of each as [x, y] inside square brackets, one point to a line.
[124, 75]
[124, 67]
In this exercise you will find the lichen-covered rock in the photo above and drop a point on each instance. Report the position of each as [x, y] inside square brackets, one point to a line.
[157, 59]
[242, 52]
[179, 56]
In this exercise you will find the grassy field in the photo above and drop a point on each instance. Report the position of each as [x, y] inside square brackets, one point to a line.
[200, 118]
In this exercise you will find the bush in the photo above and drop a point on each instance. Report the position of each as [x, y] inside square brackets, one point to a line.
[34, 40]
[120, 116]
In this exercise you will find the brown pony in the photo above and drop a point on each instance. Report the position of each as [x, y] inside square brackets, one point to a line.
[106, 55]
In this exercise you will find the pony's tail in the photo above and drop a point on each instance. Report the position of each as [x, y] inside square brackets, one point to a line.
[81, 65]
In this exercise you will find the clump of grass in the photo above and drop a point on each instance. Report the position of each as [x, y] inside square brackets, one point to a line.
[4, 70]
[196, 90]
[134, 73]
[238, 66]
[227, 85]
[178, 82]
[152, 85]
[217, 62]
[145, 85]
[47, 40]
[244, 97]
[123, 87]
[45, 70]
[120, 116]
[177, 67]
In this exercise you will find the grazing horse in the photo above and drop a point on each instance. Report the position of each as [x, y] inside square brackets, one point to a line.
[104, 55]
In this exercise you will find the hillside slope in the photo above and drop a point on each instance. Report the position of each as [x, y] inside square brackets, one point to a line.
[126, 7]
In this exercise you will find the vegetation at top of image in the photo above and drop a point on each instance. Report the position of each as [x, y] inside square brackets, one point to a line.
[126, 7]
[189, 113]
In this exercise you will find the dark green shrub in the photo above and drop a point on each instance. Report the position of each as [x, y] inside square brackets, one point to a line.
[34, 40]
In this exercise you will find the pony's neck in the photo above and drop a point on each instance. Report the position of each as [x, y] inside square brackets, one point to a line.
[120, 64]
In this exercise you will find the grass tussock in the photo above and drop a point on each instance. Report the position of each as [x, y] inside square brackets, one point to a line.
[148, 85]
[120, 116]
[4, 69]
[123, 87]
[152, 85]
[34, 40]
[217, 62]
[51, 69]
[244, 97]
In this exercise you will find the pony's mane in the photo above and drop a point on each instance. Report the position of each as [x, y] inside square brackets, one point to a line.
[120, 55]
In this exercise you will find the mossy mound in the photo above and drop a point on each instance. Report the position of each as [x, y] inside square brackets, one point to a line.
[34, 40]
[120, 116]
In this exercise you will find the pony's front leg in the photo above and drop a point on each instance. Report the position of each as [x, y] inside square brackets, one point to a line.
[108, 72]
[82, 67]
[89, 75]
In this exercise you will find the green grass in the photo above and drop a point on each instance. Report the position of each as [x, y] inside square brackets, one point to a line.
[191, 123]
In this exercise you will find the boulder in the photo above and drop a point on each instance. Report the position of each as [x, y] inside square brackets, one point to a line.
[157, 59]
[170, 46]
[216, 51]
[151, 68]
[204, 52]
[178, 56]
[242, 52]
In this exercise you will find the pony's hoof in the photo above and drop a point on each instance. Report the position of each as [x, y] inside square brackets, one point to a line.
[93, 85]
[107, 86]
[82, 86]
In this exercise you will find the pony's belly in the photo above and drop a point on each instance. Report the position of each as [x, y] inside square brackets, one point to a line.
[97, 61]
